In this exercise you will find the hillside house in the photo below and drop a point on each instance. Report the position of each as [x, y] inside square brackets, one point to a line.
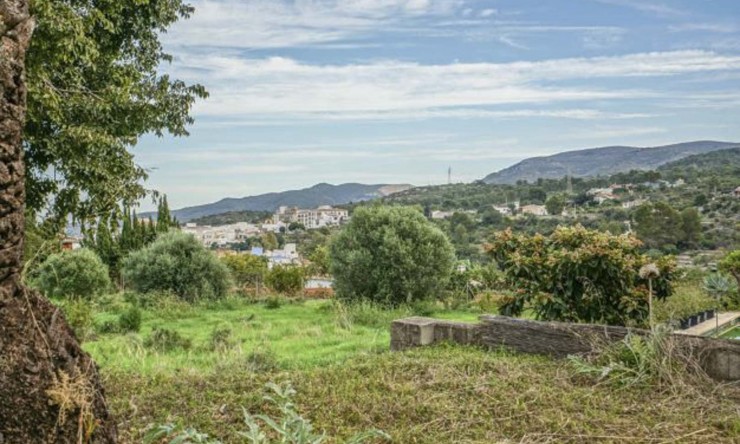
[633, 203]
[503, 209]
[535, 210]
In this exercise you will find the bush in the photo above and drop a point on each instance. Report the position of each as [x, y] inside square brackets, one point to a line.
[273, 303]
[286, 279]
[164, 340]
[130, 320]
[176, 262]
[390, 255]
[79, 315]
[246, 269]
[220, 339]
[73, 274]
[579, 275]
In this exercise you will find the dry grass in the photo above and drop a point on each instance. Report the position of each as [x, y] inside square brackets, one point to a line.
[74, 394]
[437, 395]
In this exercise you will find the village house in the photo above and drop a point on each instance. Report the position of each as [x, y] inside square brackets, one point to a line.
[503, 209]
[536, 210]
[632, 203]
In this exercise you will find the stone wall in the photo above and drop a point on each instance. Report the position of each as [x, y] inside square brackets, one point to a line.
[720, 358]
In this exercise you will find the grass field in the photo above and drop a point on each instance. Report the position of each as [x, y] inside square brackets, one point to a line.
[348, 381]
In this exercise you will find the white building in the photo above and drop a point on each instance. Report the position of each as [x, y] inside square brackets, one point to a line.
[503, 209]
[536, 210]
[322, 216]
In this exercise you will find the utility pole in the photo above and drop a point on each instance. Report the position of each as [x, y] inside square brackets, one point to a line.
[449, 176]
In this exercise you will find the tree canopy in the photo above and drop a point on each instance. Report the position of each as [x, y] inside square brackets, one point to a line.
[94, 88]
[390, 255]
[577, 274]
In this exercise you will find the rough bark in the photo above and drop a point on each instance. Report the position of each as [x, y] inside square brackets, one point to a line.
[50, 391]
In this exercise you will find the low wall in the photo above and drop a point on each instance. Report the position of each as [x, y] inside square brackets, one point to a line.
[720, 358]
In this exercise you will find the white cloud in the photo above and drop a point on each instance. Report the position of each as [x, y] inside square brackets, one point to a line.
[648, 6]
[278, 86]
[487, 12]
[281, 23]
[719, 28]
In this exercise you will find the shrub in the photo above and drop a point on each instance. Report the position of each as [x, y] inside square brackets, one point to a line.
[273, 303]
[220, 339]
[286, 279]
[130, 320]
[79, 315]
[246, 269]
[176, 262]
[390, 255]
[577, 274]
[731, 264]
[688, 300]
[164, 340]
[73, 274]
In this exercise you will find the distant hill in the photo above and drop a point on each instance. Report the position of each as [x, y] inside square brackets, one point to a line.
[321, 194]
[601, 161]
[721, 162]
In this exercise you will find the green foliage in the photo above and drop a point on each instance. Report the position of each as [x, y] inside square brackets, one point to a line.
[577, 275]
[285, 279]
[273, 303]
[130, 320]
[320, 261]
[79, 316]
[178, 263]
[555, 204]
[688, 300]
[269, 241]
[95, 86]
[73, 274]
[165, 340]
[390, 255]
[731, 264]
[658, 225]
[220, 339]
[246, 269]
[289, 427]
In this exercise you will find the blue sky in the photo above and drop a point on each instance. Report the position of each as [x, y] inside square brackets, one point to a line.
[397, 91]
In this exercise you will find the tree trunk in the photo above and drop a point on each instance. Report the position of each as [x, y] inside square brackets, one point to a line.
[50, 391]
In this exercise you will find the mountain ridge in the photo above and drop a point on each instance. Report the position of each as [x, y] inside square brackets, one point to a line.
[311, 197]
[599, 161]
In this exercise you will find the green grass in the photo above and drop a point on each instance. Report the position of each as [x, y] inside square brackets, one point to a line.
[435, 395]
[348, 381]
[298, 335]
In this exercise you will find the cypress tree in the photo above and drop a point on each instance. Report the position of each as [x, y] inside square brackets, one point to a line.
[164, 220]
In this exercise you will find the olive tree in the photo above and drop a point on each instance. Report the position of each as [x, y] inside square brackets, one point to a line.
[176, 262]
[390, 255]
[73, 274]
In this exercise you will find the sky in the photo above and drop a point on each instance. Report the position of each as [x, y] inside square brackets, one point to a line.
[398, 91]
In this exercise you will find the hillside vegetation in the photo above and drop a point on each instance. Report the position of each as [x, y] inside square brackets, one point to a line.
[600, 161]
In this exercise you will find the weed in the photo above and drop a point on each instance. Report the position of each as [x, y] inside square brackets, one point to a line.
[289, 427]
[79, 315]
[130, 320]
[654, 359]
[273, 303]
[71, 394]
[261, 360]
[220, 339]
[164, 340]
